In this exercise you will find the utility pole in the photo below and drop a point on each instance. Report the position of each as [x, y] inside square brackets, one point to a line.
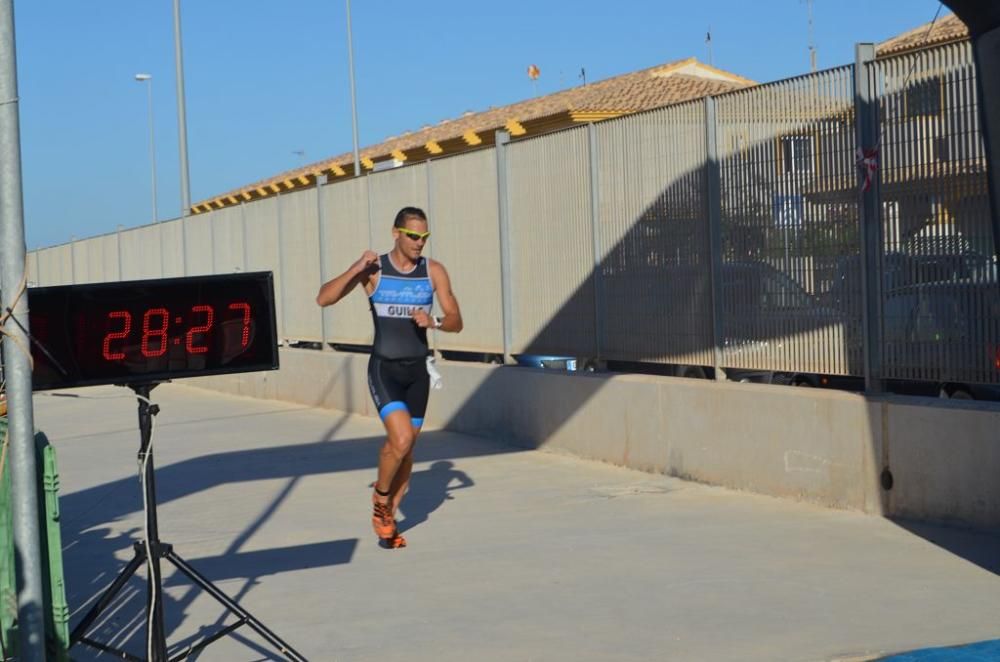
[17, 361]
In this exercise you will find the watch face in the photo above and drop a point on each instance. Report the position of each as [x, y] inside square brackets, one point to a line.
[152, 330]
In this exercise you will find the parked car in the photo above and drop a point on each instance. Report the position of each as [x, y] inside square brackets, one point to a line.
[955, 327]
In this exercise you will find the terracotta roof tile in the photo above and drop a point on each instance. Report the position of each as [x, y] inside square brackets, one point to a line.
[657, 86]
[946, 29]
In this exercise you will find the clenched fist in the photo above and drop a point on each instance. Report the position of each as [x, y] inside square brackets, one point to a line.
[368, 263]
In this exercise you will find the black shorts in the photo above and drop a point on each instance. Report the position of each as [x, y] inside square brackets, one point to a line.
[399, 384]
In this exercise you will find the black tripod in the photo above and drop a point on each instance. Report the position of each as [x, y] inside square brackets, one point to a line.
[152, 550]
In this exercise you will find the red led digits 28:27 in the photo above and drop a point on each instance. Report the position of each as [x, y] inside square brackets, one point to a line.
[155, 325]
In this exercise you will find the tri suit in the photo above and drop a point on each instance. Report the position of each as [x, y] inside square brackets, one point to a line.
[397, 369]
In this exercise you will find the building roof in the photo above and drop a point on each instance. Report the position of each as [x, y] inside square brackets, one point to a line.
[946, 29]
[662, 85]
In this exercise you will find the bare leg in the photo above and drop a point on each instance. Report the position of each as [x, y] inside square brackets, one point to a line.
[398, 446]
[401, 481]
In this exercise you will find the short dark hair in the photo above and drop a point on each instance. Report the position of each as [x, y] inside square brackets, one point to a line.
[408, 212]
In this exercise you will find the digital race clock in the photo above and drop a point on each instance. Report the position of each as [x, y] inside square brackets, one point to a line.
[152, 330]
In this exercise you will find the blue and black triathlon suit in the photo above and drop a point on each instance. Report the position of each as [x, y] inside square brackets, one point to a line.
[397, 370]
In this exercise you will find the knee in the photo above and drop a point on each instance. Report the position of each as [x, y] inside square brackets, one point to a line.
[401, 442]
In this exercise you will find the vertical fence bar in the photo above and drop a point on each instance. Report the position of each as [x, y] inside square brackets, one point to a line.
[371, 221]
[281, 271]
[243, 234]
[211, 239]
[118, 237]
[163, 259]
[429, 189]
[72, 259]
[324, 266]
[713, 209]
[429, 184]
[867, 137]
[503, 202]
[184, 260]
[595, 229]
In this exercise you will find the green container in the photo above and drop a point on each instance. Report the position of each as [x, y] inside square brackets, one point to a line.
[54, 587]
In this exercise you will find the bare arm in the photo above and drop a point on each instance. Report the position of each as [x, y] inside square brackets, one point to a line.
[360, 272]
[452, 318]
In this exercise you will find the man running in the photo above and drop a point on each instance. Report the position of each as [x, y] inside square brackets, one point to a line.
[400, 285]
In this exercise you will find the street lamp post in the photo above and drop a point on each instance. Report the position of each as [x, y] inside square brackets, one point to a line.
[148, 79]
[181, 113]
[354, 103]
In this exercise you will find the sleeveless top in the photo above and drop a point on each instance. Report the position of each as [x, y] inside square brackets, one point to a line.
[395, 297]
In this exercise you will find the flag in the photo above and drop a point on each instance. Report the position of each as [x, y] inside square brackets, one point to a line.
[867, 160]
[533, 72]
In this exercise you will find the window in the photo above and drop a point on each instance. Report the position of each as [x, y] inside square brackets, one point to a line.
[923, 98]
[797, 154]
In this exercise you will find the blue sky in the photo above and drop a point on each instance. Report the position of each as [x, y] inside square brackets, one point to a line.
[265, 80]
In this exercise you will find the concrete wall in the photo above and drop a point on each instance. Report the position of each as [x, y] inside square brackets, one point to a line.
[821, 446]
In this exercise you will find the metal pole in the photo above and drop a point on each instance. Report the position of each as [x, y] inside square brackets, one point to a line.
[184, 248]
[600, 315]
[280, 276]
[713, 201]
[17, 366]
[243, 233]
[866, 135]
[181, 111]
[118, 236]
[354, 102]
[72, 260]
[154, 581]
[324, 261]
[986, 53]
[371, 217]
[502, 138]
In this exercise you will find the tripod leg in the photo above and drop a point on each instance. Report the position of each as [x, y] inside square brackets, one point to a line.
[108, 595]
[227, 602]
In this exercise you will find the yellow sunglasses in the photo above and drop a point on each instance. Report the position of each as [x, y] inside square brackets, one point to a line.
[415, 236]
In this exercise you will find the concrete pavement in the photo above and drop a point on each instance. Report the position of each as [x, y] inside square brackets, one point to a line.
[514, 555]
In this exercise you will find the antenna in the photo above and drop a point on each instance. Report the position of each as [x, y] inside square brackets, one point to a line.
[812, 41]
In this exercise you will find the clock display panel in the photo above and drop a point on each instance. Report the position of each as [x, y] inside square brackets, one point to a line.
[152, 330]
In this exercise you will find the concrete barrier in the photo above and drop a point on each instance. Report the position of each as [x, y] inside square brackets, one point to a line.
[821, 446]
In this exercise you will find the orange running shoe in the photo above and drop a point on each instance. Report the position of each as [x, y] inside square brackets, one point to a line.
[382, 520]
[395, 542]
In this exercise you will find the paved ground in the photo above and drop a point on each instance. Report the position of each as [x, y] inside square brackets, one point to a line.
[513, 555]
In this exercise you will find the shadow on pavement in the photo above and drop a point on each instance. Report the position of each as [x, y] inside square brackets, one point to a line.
[94, 551]
[975, 546]
[429, 489]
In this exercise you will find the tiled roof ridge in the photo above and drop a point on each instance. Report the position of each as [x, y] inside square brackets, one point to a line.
[946, 28]
[580, 98]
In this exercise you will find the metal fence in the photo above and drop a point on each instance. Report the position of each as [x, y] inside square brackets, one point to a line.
[940, 307]
[780, 147]
[724, 233]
